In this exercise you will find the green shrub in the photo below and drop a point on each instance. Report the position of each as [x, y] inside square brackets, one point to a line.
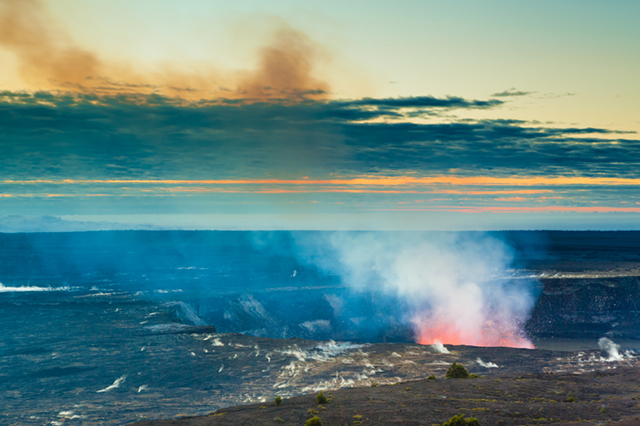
[321, 398]
[431, 377]
[374, 384]
[459, 420]
[313, 421]
[473, 376]
[457, 371]
[278, 400]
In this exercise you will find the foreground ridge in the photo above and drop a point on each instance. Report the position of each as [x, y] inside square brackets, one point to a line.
[506, 399]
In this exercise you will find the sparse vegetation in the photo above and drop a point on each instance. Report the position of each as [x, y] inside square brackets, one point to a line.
[278, 419]
[459, 420]
[321, 398]
[473, 376]
[313, 421]
[457, 371]
[374, 384]
[278, 400]
[432, 377]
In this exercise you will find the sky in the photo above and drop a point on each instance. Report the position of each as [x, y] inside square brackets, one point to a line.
[411, 115]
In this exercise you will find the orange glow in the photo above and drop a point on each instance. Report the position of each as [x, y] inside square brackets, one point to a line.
[511, 199]
[492, 333]
[364, 181]
[545, 209]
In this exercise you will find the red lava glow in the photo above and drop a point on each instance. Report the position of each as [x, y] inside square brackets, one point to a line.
[487, 334]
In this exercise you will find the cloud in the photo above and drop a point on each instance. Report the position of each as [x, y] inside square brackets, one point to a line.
[50, 59]
[86, 136]
[422, 102]
[43, 50]
[511, 92]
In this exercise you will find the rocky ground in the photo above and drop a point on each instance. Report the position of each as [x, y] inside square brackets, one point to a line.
[156, 372]
[604, 397]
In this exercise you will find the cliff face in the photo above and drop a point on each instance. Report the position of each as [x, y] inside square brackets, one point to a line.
[587, 308]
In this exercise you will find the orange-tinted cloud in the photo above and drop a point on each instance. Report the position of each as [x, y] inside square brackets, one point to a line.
[380, 181]
[45, 52]
[49, 59]
[285, 69]
[510, 199]
[545, 209]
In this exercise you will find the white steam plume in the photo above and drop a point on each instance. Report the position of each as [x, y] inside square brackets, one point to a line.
[486, 364]
[115, 384]
[612, 349]
[454, 285]
[439, 347]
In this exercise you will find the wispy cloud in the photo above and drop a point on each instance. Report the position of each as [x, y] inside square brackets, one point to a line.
[513, 92]
[515, 209]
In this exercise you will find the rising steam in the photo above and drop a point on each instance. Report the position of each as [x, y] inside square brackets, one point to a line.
[612, 349]
[454, 284]
[49, 59]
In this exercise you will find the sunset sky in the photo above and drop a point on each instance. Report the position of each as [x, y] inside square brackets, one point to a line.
[319, 115]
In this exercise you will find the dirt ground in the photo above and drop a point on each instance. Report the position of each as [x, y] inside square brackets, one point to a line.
[604, 397]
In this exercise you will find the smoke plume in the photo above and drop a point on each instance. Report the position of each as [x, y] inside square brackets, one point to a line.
[44, 51]
[285, 68]
[50, 59]
[455, 285]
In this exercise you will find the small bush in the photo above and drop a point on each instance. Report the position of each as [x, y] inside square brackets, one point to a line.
[431, 377]
[571, 398]
[278, 400]
[278, 419]
[321, 398]
[473, 376]
[374, 384]
[457, 371]
[313, 421]
[459, 420]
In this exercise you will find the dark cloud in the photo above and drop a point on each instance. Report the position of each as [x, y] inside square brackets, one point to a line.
[511, 92]
[45, 135]
[450, 102]
[491, 148]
